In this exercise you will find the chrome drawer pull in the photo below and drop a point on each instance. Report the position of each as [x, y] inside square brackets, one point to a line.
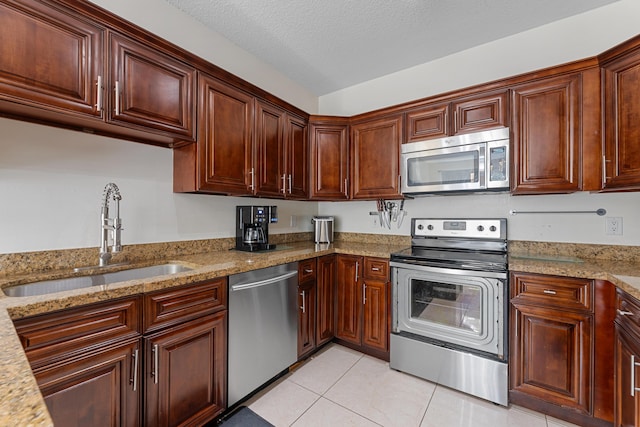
[549, 292]
[375, 269]
[624, 312]
[308, 270]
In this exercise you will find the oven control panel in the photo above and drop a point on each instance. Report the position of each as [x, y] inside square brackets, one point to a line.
[493, 228]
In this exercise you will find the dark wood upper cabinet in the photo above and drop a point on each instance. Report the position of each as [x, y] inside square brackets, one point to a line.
[481, 112]
[471, 113]
[428, 122]
[621, 88]
[546, 133]
[329, 152]
[150, 89]
[50, 58]
[375, 158]
[281, 153]
[297, 157]
[222, 160]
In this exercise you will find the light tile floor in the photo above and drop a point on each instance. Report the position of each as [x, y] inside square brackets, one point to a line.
[342, 387]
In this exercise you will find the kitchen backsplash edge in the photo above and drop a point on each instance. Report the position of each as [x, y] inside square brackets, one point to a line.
[57, 259]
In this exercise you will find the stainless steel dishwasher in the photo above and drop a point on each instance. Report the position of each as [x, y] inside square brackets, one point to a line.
[263, 327]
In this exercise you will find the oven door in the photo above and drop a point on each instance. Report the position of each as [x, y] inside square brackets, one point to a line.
[454, 307]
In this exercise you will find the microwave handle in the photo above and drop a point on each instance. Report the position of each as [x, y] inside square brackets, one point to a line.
[483, 166]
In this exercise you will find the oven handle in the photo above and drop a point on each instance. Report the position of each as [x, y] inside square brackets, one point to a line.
[471, 273]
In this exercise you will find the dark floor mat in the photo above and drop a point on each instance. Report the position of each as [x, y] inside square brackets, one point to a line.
[245, 417]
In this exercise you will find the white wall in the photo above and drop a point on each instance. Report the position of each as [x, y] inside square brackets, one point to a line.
[579, 228]
[570, 39]
[51, 188]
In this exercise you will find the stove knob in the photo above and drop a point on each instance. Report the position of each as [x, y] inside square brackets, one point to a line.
[480, 228]
[420, 226]
[430, 227]
[492, 228]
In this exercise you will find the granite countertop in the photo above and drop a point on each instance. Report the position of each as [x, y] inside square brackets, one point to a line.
[21, 402]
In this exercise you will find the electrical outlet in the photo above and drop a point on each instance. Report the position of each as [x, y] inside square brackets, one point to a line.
[614, 226]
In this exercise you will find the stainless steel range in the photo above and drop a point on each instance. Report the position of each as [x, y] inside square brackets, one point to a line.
[449, 305]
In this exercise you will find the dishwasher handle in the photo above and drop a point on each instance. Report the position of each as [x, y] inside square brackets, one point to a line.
[265, 282]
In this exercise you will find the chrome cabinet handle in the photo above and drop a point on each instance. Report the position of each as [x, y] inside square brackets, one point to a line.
[549, 292]
[364, 294]
[154, 374]
[604, 169]
[624, 312]
[375, 269]
[308, 270]
[253, 179]
[134, 373]
[357, 268]
[289, 183]
[633, 375]
[117, 98]
[302, 307]
[346, 190]
[283, 190]
[99, 95]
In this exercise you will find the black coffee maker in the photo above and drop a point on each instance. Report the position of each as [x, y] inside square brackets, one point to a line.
[252, 227]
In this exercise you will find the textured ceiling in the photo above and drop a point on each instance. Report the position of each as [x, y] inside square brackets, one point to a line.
[327, 45]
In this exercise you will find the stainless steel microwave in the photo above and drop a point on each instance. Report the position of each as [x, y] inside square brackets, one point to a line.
[470, 162]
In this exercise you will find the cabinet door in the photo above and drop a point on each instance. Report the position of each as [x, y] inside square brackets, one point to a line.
[375, 158]
[375, 330]
[551, 355]
[306, 318]
[329, 161]
[481, 112]
[49, 57]
[150, 89]
[349, 299]
[270, 176]
[100, 388]
[627, 396]
[325, 297]
[186, 373]
[297, 158]
[428, 122]
[621, 118]
[546, 132]
[221, 161]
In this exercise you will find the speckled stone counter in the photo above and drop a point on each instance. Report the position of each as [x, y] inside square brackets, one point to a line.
[21, 403]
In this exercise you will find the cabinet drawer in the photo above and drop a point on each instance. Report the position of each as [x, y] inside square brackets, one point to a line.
[54, 336]
[168, 307]
[628, 310]
[562, 292]
[376, 268]
[307, 270]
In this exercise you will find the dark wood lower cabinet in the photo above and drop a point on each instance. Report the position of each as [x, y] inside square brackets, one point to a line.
[185, 377]
[627, 361]
[325, 299]
[99, 389]
[363, 304]
[306, 307]
[557, 325]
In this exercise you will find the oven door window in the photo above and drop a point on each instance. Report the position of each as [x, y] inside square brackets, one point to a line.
[447, 304]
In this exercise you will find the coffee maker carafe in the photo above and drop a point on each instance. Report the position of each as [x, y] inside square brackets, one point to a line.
[252, 227]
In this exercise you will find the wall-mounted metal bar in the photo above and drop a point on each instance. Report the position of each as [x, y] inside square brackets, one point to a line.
[599, 212]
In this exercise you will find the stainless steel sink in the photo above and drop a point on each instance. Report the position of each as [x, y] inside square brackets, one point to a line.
[79, 282]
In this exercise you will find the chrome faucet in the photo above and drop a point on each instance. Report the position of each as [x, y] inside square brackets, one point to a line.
[110, 226]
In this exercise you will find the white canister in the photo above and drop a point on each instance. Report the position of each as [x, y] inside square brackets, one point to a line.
[323, 229]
